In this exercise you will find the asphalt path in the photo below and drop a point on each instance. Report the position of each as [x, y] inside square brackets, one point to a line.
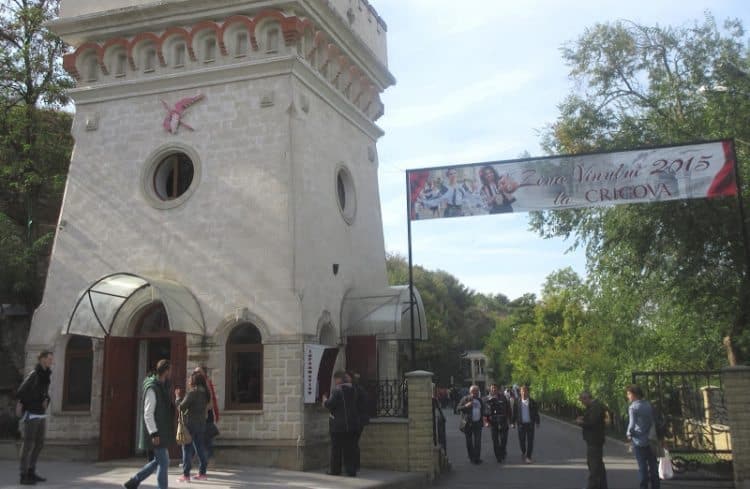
[559, 461]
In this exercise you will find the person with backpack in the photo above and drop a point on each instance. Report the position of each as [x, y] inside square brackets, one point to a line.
[641, 421]
[33, 401]
[594, 423]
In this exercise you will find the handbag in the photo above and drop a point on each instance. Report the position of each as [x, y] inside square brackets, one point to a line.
[464, 425]
[182, 437]
[666, 471]
[212, 431]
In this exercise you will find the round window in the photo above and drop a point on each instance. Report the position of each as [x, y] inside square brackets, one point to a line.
[170, 176]
[345, 195]
[173, 176]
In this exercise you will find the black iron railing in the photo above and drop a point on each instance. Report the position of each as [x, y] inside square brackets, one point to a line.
[695, 416]
[387, 399]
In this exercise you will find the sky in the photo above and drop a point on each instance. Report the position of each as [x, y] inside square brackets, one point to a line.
[479, 81]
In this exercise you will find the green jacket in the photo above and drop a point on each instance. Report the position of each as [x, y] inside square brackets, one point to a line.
[164, 413]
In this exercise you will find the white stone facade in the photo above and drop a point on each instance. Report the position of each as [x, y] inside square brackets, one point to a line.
[260, 235]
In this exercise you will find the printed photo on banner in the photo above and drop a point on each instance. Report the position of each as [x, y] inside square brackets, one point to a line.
[702, 170]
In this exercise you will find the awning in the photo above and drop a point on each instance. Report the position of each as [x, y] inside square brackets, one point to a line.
[384, 313]
[97, 307]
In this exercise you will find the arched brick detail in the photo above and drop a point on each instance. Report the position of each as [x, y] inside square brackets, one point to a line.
[293, 28]
[118, 41]
[269, 14]
[84, 48]
[319, 39]
[332, 51]
[69, 65]
[177, 32]
[145, 36]
[240, 19]
[209, 25]
[344, 63]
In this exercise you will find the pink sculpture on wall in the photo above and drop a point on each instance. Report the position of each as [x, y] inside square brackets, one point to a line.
[173, 121]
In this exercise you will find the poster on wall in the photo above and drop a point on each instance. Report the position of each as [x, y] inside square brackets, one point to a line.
[701, 170]
[319, 361]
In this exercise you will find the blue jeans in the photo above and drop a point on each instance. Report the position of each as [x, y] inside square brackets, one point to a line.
[160, 462]
[198, 433]
[648, 468]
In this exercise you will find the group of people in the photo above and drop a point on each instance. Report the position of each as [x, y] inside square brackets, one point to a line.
[198, 407]
[645, 433]
[348, 417]
[198, 410]
[499, 411]
[492, 194]
[502, 410]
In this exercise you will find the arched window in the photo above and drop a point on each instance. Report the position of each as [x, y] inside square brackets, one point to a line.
[79, 362]
[244, 388]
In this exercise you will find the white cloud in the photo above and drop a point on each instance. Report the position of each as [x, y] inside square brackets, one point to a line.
[458, 100]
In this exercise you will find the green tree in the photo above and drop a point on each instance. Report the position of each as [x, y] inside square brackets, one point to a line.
[35, 143]
[679, 267]
[458, 319]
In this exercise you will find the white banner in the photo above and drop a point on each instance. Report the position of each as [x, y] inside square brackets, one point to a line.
[313, 356]
[565, 182]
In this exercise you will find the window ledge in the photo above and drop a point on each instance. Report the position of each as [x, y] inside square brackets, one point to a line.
[228, 412]
[72, 412]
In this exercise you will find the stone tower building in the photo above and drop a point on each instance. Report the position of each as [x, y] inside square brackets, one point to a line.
[221, 210]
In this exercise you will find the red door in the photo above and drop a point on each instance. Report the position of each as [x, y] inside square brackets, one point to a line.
[178, 361]
[119, 395]
[362, 357]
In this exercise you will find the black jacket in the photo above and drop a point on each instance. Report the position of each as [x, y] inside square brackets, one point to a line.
[499, 411]
[343, 407]
[34, 390]
[533, 411]
[594, 423]
[362, 402]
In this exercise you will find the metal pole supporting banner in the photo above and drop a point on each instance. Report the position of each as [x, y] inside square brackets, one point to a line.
[413, 345]
[741, 208]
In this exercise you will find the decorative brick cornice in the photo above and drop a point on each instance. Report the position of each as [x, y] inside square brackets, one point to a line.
[300, 35]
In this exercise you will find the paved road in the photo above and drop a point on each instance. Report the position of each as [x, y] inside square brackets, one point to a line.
[559, 462]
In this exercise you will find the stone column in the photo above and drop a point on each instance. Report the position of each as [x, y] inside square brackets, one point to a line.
[736, 382]
[421, 456]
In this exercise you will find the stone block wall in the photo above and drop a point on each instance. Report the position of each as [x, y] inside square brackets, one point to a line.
[405, 444]
[736, 382]
[385, 444]
[271, 436]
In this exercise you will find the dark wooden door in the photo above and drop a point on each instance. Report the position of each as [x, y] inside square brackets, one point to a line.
[362, 357]
[119, 397]
[178, 373]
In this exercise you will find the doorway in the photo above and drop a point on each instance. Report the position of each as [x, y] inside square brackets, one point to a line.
[127, 361]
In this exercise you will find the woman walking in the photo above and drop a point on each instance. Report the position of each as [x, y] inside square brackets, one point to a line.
[193, 409]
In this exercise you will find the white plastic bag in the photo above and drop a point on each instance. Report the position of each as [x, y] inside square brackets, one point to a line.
[666, 471]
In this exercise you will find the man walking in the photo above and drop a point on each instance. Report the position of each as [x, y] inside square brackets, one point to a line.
[498, 416]
[593, 423]
[526, 417]
[641, 417]
[158, 421]
[472, 409]
[33, 400]
[344, 424]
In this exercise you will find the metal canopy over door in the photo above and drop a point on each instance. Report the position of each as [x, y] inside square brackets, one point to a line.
[98, 305]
